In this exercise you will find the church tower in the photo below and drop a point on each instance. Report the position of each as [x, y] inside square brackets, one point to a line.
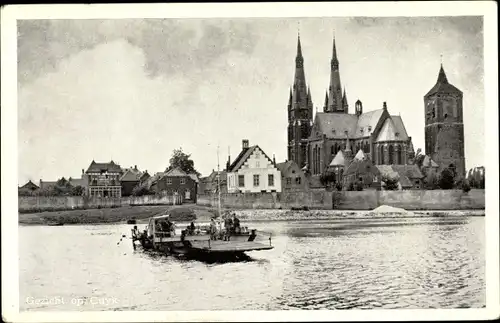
[444, 126]
[300, 110]
[336, 101]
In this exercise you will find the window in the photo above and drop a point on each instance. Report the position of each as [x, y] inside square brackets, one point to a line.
[255, 180]
[169, 181]
[183, 181]
[241, 180]
[298, 180]
[257, 164]
[288, 180]
[270, 179]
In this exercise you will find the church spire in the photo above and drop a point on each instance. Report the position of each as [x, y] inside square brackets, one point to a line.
[335, 100]
[442, 76]
[325, 107]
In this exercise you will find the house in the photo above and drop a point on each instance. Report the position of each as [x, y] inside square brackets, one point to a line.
[429, 166]
[104, 179]
[292, 177]
[361, 170]
[28, 188]
[176, 181]
[131, 178]
[253, 171]
[209, 184]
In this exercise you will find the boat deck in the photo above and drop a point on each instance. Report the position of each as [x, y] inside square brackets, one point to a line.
[221, 246]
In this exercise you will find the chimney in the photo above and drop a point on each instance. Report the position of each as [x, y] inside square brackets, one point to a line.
[135, 167]
[244, 143]
[83, 171]
[385, 105]
[274, 160]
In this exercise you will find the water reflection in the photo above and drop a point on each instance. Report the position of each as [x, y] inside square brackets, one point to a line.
[326, 264]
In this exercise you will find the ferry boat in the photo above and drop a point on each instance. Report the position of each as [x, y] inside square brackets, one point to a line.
[197, 241]
[202, 240]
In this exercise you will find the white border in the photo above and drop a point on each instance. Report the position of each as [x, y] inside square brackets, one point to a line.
[10, 275]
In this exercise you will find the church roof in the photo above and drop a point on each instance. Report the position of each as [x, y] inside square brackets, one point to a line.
[388, 131]
[368, 120]
[400, 127]
[338, 160]
[334, 125]
[442, 85]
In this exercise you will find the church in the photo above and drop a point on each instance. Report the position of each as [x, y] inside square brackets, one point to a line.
[313, 144]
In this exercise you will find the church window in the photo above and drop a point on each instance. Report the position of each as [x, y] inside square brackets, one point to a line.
[332, 150]
[381, 155]
[400, 156]
[391, 154]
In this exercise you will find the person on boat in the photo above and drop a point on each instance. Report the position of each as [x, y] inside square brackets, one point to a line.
[191, 228]
[228, 224]
[213, 229]
[236, 224]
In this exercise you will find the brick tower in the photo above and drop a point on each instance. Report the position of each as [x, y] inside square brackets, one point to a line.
[444, 126]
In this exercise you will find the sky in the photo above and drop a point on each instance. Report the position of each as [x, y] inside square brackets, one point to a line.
[133, 90]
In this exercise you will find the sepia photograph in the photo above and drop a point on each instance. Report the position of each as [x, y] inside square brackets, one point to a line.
[249, 162]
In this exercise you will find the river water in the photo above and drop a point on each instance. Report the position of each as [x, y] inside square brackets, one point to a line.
[327, 264]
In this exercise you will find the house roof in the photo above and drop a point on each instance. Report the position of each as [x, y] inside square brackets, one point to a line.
[76, 182]
[175, 172]
[442, 85]
[368, 120]
[30, 185]
[410, 171]
[47, 184]
[284, 166]
[102, 167]
[428, 162]
[362, 167]
[338, 160]
[243, 156]
[131, 175]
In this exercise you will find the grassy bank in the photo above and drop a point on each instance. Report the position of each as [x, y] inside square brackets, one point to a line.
[115, 215]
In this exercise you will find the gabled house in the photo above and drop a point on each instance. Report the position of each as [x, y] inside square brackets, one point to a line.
[130, 178]
[176, 181]
[292, 177]
[28, 188]
[209, 185]
[104, 179]
[253, 171]
[361, 170]
[410, 176]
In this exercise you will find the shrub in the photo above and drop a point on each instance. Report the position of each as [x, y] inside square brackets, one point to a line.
[350, 187]
[359, 186]
[466, 186]
[391, 182]
[446, 180]
[338, 187]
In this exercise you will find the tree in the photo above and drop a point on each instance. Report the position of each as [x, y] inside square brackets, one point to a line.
[140, 190]
[446, 179]
[328, 179]
[77, 190]
[183, 161]
[391, 182]
[465, 186]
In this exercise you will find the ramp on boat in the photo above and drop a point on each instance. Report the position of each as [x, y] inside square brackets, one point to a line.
[220, 246]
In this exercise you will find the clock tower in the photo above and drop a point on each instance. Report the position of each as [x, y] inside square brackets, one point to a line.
[444, 126]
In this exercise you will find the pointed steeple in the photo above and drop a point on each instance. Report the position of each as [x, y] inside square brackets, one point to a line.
[442, 76]
[325, 107]
[345, 105]
[335, 100]
[334, 53]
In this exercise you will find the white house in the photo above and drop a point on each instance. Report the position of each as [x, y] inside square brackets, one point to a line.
[252, 172]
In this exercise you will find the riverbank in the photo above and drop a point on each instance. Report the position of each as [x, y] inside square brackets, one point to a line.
[115, 215]
[203, 214]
